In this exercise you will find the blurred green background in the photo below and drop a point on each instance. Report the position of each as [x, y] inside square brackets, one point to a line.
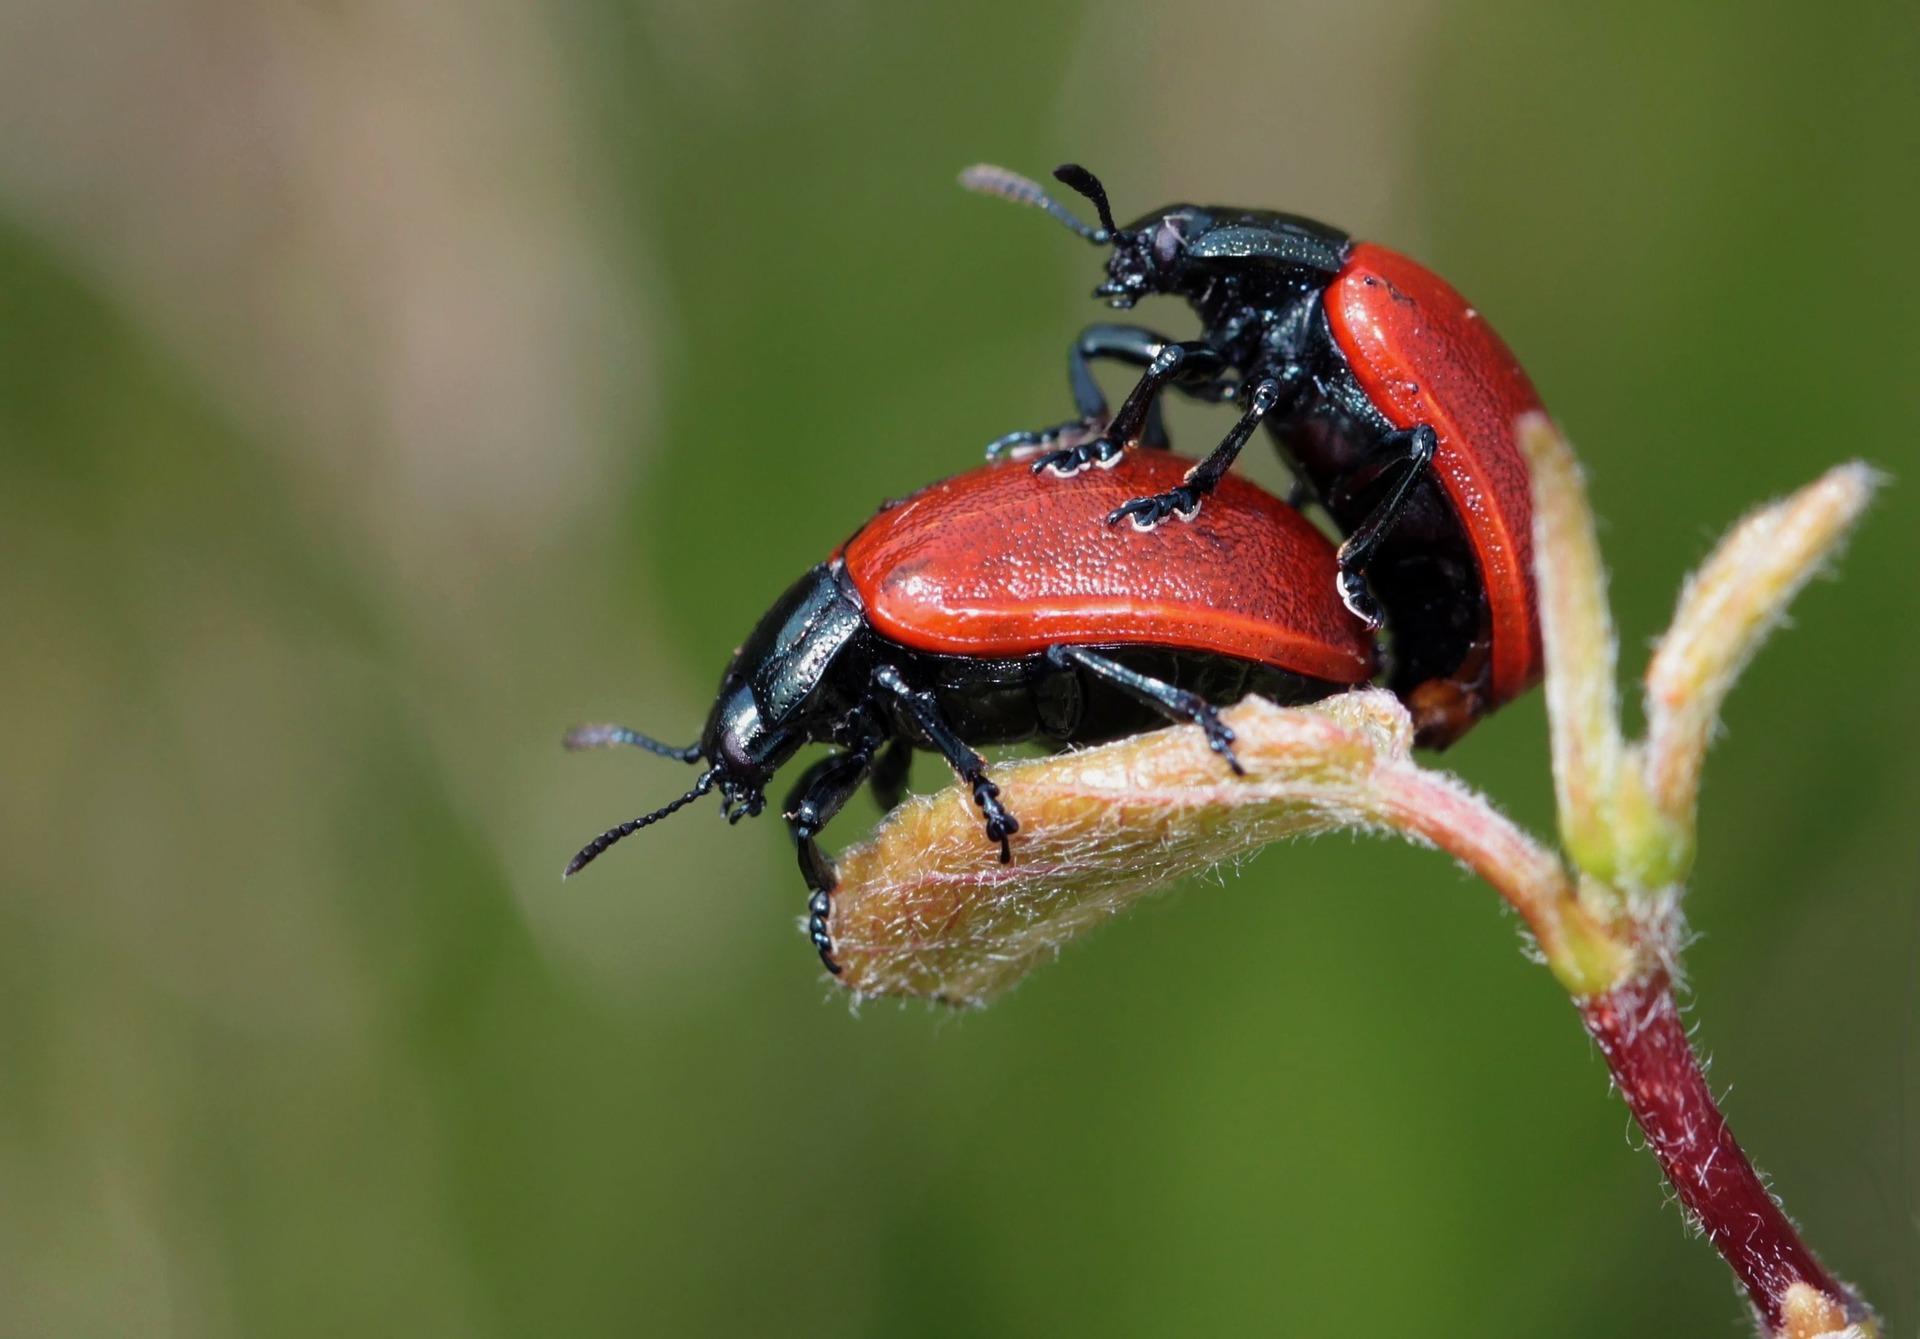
[386, 387]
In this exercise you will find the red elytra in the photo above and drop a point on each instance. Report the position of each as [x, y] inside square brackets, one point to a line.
[998, 562]
[1423, 355]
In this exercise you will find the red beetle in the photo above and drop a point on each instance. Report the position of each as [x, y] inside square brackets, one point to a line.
[1393, 398]
[992, 608]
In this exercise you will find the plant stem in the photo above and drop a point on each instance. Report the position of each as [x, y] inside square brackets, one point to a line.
[1586, 954]
[1639, 1031]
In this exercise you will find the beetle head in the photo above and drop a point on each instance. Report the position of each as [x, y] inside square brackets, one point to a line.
[776, 695]
[1143, 255]
[1150, 257]
[1147, 258]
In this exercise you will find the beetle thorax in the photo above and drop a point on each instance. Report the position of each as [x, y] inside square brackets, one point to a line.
[783, 688]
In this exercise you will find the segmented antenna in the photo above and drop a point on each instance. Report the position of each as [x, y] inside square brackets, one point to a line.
[608, 736]
[990, 180]
[593, 849]
[1076, 177]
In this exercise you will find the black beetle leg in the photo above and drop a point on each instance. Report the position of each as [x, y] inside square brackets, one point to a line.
[1067, 461]
[924, 712]
[821, 791]
[889, 780]
[1176, 704]
[1028, 439]
[1184, 500]
[1190, 363]
[1194, 366]
[1412, 451]
[1129, 344]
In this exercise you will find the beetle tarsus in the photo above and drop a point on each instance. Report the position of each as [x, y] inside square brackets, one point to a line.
[1000, 824]
[1007, 443]
[1147, 512]
[1068, 461]
[819, 907]
[1357, 598]
[1219, 738]
[1029, 439]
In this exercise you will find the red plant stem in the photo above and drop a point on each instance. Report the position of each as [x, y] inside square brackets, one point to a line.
[1640, 1033]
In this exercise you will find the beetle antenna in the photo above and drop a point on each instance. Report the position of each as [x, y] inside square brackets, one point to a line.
[593, 849]
[608, 736]
[990, 180]
[1078, 178]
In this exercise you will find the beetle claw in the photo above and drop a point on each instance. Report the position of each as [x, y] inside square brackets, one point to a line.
[1358, 599]
[1000, 824]
[1147, 512]
[1064, 463]
[1071, 460]
[1016, 443]
[819, 907]
[822, 943]
[1220, 740]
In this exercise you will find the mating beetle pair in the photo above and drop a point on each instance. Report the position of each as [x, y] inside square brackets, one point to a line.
[996, 607]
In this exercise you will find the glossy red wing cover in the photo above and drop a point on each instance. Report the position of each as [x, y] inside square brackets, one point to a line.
[1001, 562]
[1424, 356]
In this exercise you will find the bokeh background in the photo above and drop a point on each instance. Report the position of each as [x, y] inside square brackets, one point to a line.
[385, 387]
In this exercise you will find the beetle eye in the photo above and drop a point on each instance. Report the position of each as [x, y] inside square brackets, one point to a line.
[1166, 242]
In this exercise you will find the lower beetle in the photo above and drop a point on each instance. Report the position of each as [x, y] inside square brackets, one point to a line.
[990, 609]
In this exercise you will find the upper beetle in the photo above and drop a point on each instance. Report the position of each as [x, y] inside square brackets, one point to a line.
[981, 611]
[1394, 400]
